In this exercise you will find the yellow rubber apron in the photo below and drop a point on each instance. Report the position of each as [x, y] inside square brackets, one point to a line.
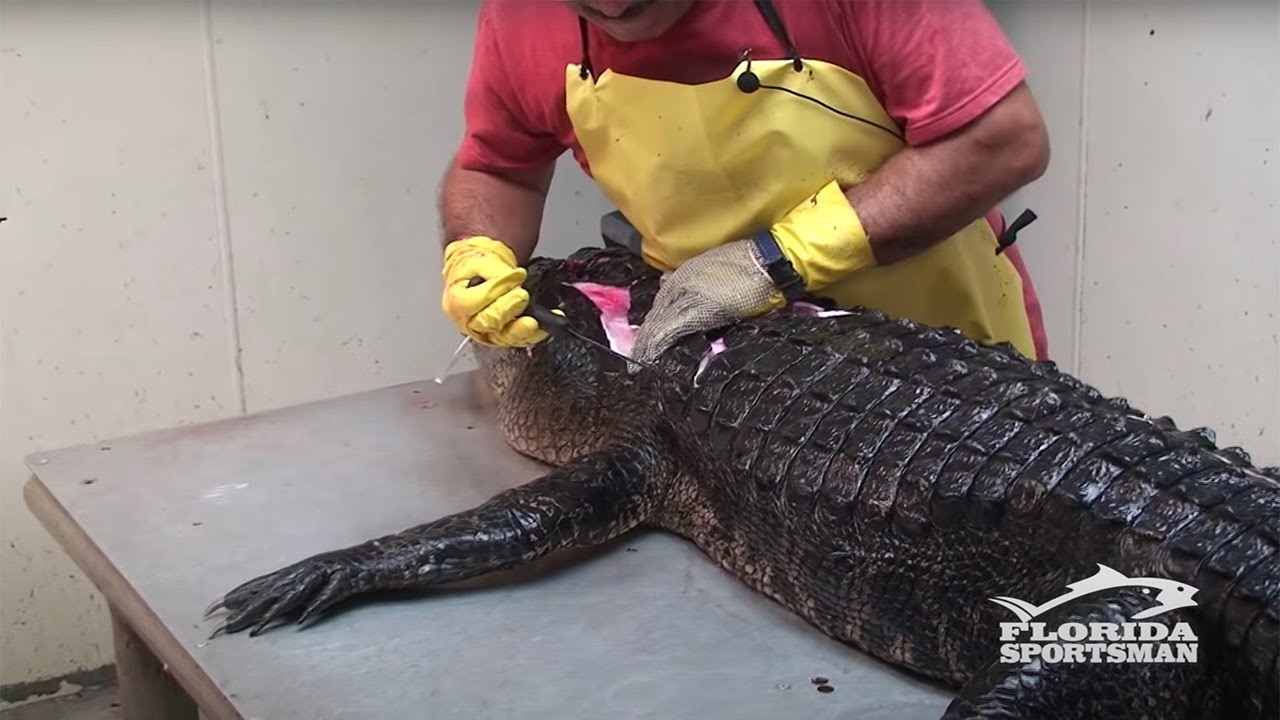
[694, 166]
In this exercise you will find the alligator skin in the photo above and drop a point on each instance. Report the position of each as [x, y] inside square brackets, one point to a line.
[881, 479]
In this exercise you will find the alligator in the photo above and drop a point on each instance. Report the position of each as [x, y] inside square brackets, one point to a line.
[943, 505]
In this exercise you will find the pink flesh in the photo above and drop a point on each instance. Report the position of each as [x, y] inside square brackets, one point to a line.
[717, 347]
[613, 303]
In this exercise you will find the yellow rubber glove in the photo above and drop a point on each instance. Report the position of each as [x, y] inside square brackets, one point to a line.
[489, 311]
[823, 239]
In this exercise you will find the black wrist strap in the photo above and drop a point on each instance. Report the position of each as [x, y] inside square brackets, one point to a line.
[777, 265]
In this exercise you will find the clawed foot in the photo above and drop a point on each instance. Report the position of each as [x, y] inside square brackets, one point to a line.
[312, 585]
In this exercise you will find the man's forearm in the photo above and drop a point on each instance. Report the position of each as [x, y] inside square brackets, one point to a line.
[507, 208]
[922, 195]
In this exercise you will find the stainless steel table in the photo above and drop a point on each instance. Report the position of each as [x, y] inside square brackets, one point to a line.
[164, 522]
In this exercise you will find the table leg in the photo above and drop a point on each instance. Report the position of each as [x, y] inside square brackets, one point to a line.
[147, 690]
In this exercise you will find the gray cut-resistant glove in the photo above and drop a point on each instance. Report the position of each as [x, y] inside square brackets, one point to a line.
[721, 286]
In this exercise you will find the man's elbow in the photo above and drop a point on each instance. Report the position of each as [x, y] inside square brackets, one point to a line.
[1033, 158]
[1027, 151]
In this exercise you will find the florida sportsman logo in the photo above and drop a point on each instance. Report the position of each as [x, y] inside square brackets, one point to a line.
[1132, 641]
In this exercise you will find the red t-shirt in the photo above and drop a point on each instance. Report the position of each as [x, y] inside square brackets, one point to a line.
[934, 65]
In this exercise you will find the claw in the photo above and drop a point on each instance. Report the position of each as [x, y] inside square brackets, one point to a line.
[217, 605]
[287, 602]
[311, 585]
[257, 629]
[308, 618]
[328, 596]
[245, 616]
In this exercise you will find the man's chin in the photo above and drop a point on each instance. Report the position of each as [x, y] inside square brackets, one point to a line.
[631, 20]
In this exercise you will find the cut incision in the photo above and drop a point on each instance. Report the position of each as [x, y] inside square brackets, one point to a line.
[804, 308]
[614, 303]
[717, 347]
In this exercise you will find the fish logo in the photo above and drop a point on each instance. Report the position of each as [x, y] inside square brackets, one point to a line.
[1171, 594]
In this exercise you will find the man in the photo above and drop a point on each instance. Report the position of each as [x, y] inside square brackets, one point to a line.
[852, 148]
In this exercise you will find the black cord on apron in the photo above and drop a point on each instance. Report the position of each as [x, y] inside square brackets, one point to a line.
[748, 81]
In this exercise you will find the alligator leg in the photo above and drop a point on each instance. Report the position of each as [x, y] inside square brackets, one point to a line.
[586, 502]
[1095, 689]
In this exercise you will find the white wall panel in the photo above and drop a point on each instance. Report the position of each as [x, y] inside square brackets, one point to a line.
[1181, 304]
[338, 119]
[111, 304]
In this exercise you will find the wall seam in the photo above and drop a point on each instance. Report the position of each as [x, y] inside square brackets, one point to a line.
[1082, 193]
[230, 306]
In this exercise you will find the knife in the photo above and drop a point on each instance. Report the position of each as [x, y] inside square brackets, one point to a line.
[556, 324]
[453, 359]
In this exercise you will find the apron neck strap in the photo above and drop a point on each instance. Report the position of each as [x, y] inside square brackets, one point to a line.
[585, 66]
[765, 7]
[771, 18]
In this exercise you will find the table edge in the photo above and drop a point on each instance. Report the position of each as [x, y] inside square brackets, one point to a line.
[125, 600]
[35, 459]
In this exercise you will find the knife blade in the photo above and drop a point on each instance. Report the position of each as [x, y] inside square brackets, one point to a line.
[554, 323]
[466, 340]
[453, 360]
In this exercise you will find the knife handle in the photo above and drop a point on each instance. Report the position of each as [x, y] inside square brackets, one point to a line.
[548, 320]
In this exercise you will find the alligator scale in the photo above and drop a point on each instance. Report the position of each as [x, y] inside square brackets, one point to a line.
[902, 488]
